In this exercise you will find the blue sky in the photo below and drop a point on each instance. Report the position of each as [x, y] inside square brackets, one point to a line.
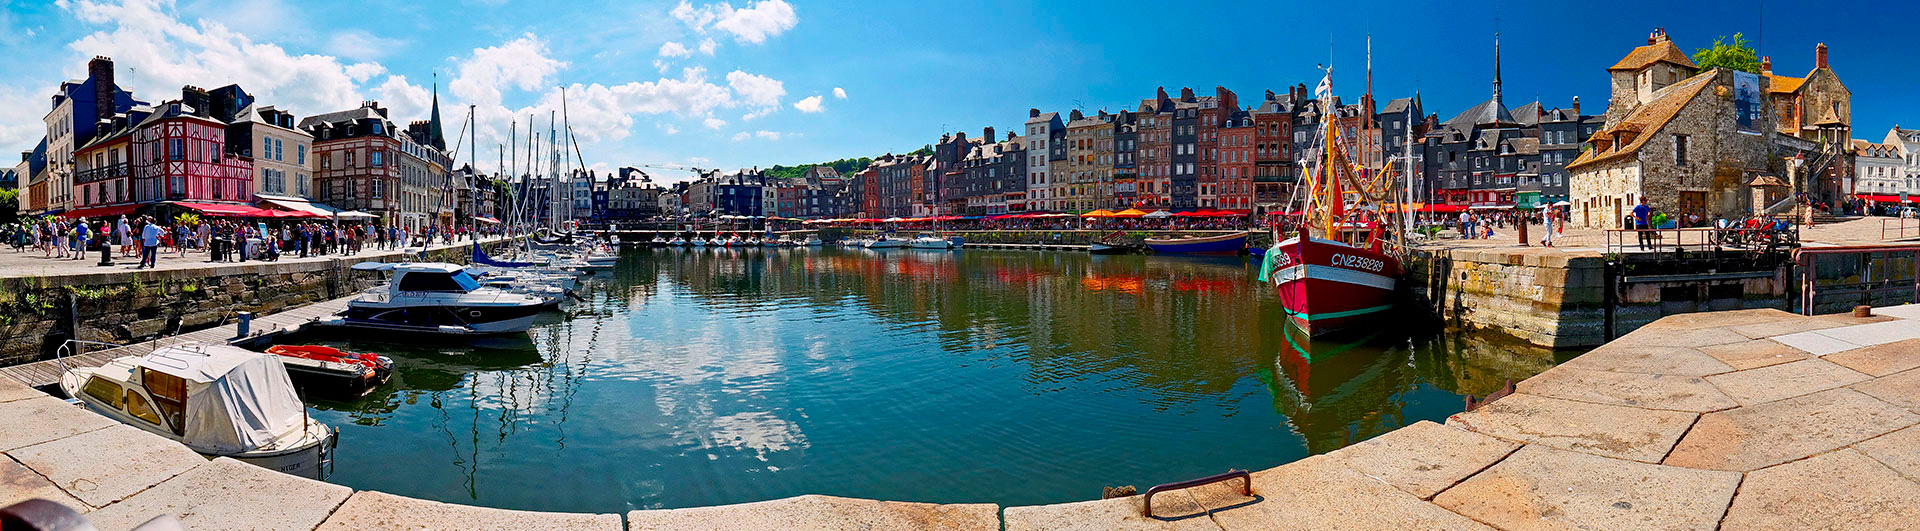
[725, 85]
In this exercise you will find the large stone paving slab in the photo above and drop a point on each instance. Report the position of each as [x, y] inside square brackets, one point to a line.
[11, 390]
[1786, 380]
[18, 484]
[1875, 333]
[1171, 511]
[1755, 354]
[225, 494]
[1881, 360]
[1677, 361]
[103, 466]
[1791, 325]
[1681, 337]
[1321, 492]
[1613, 431]
[1652, 391]
[1815, 343]
[822, 512]
[1731, 318]
[1899, 450]
[1544, 488]
[1756, 437]
[36, 420]
[1424, 458]
[381, 511]
[1900, 389]
[1838, 490]
[1909, 311]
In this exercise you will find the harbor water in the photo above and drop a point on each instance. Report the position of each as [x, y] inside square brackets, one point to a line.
[710, 376]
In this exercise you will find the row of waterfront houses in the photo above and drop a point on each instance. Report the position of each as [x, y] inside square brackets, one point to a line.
[1718, 144]
[1715, 143]
[108, 153]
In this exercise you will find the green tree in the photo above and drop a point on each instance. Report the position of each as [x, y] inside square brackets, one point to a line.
[9, 206]
[1736, 56]
[924, 150]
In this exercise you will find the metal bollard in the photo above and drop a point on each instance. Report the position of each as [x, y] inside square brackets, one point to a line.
[246, 323]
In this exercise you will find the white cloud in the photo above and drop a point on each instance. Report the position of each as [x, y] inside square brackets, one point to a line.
[674, 49]
[707, 45]
[768, 135]
[662, 66]
[20, 124]
[809, 104]
[521, 63]
[357, 44]
[753, 24]
[361, 72]
[763, 111]
[668, 128]
[405, 100]
[755, 89]
[157, 54]
[714, 123]
[839, 93]
[743, 135]
[766, 18]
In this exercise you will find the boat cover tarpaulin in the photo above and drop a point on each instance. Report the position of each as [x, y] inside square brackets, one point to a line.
[480, 257]
[237, 400]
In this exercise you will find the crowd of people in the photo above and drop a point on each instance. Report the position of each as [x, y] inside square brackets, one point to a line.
[222, 239]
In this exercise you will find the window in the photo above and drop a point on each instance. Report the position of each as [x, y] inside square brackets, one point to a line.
[301, 152]
[176, 148]
[1680, 150]
[140, 409]
[374, 159]
[349, 160]
[103, 390]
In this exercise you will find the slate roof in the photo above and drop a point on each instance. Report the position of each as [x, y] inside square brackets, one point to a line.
[339, 116]
[1528, 114]
[1398, 105]
[1489, 112]
[1644, 56]
[1644, 121]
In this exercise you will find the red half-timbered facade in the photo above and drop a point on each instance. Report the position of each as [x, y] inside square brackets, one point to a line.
[178, 156]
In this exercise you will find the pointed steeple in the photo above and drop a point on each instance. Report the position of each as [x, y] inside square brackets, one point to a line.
[1496, 69]
[435, 135]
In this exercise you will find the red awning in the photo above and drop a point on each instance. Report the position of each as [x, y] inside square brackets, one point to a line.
[97, 212]
[1879, 198]
[226, 210]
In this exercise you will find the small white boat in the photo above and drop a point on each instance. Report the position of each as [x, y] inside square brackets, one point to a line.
[657, 241]
[734, 242]
[216, 399]
[929, 241]
[812, 241]
[677, 242]
[697, 242]
[883, 242]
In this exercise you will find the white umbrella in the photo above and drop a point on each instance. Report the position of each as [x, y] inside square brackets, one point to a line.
[1158, 214]
[1563, 203]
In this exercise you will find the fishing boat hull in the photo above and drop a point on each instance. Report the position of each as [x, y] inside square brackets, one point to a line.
[1222, 244]
[1329, 288]
[1102, 248]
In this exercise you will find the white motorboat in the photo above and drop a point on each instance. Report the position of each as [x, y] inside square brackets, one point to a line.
[883, 242]
[658, 241]
[677, 242]
[812, 241]
[439, 298]
[216, 399]
[734, 241]
[929, 241]
[602, 257]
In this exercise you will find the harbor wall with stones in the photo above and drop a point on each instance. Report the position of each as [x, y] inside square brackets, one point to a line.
[37, 314]
[1559, 299]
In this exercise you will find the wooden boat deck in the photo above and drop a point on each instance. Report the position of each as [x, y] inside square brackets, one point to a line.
[264, 327]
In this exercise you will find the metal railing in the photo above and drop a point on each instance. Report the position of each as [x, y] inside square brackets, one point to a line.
[1899, 229]
[1621, 241]
[1246, 486]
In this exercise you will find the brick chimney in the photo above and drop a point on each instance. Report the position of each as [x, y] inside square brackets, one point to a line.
[196, 100]
[1186, 94]
[1576, 107]
[1033, 113]
[1820, 55]
[1077, 115]
[1766, 65]
[987, 135]
[100, 70]
[1161, 92]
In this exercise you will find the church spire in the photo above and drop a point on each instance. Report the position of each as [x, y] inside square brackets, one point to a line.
[1496, 69]
[435, 136]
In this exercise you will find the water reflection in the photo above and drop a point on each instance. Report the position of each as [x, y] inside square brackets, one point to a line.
[706, 376]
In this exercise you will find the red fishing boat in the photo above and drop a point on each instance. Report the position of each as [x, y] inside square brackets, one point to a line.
[1340, 271]
[353, 372]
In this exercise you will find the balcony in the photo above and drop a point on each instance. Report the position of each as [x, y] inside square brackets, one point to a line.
[110, 171]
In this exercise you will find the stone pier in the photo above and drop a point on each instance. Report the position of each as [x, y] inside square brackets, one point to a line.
[1748, 419]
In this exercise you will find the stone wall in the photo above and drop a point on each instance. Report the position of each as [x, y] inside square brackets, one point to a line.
[1542, 296]
[37, 314]
[1560, 300]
